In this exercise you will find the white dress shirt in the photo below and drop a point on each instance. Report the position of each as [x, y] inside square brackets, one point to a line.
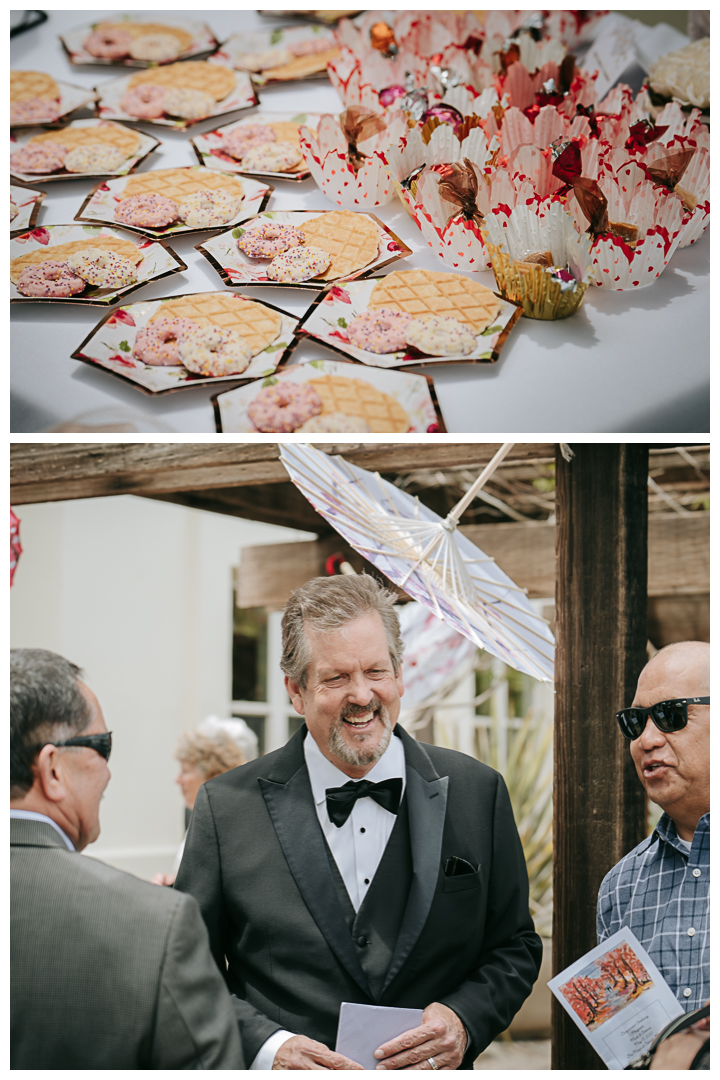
[357, 847]
[32, 815]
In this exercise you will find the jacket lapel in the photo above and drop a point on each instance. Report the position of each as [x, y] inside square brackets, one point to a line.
[427, 804]
[289, 800]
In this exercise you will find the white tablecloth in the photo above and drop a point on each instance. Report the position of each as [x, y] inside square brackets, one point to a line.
[633, 361]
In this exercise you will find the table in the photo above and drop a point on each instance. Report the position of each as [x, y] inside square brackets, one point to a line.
[634, 361]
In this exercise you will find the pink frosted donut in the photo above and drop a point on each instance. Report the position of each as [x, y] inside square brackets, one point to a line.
[157, 343]
[284, 406]
[108, 44]
[153, 211]
[239, 141]
[49, 278]
[270, 240]
[33, 109]
[144, 101]
[41, 157]
[380, 330]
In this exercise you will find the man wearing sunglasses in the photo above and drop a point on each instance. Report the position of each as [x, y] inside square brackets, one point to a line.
[661, 889]
[107, 971]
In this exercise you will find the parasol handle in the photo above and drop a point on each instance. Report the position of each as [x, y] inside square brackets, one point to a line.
[457, 511]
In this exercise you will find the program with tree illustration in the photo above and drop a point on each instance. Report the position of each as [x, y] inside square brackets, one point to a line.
[607, 985]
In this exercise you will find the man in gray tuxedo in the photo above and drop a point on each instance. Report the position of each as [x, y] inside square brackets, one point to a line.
[107, 971]
[358, 865]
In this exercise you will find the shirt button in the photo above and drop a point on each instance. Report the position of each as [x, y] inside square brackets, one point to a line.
[362, 942]
[367, 882]
[697, 873]
[687, 992]
[362, 830]
[691, 932]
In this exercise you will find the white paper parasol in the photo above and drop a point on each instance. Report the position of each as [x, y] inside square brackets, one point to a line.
[426, 555]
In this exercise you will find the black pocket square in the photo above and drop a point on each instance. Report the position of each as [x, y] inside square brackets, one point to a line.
[455, 866]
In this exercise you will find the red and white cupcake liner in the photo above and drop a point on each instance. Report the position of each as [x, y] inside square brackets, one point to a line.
[457, 242]
[326, 154]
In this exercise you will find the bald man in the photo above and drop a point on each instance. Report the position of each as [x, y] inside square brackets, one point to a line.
[661, 890]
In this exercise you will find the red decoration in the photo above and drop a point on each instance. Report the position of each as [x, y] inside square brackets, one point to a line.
[15, 546]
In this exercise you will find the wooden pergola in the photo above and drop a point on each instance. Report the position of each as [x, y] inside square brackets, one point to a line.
[600, 560]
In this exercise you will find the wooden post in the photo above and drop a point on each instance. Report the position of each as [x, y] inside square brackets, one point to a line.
[601, 630]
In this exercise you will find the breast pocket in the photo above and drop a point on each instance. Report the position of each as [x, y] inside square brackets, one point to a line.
[463, 882]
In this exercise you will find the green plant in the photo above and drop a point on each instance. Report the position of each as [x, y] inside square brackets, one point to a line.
[528, 775]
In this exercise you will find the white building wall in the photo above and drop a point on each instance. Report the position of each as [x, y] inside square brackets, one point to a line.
[139, 594]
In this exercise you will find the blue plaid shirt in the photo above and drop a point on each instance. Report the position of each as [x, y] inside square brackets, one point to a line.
[662, 893]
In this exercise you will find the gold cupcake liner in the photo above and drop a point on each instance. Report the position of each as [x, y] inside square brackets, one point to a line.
[539, 296]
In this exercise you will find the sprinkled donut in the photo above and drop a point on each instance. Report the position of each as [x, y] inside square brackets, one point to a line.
[284, 407]
[155, 47]
[335, 422]
[32, 109]
[144, 101]
[157, 343]
[13, 209]
[45, 157]
[380, 330]
[440, 337]
[237, 143]
[108, 44]
[105, 269]
[205, 209]
[213, 350]
[153, 211]
[270, 239]
[94, 157]
[188, 104]
[272, 157]
[49, 278]
[298, 264]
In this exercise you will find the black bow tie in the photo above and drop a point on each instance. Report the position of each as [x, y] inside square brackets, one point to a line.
[340, 800]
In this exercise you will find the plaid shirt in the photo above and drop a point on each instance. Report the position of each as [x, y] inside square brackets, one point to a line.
[662, 893]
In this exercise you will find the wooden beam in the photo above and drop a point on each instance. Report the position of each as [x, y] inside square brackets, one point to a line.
[268, 574]
[601, 634]
[679, 551]
[275, 504]
[48, 472]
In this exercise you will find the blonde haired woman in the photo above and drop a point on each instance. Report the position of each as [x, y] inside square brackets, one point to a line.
[214, 747]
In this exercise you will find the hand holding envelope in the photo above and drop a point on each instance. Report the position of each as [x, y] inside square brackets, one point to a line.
[387, 1038]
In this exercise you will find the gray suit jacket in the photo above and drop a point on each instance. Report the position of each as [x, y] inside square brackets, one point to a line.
[108, 971]
[256, 861]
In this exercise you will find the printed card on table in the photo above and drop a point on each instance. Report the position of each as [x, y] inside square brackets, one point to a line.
[618, 998]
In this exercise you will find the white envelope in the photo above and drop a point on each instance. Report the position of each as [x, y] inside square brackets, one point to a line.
[363, 1028]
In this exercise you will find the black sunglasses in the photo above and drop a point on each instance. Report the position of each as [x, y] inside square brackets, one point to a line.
[102, 743]
[667, 716]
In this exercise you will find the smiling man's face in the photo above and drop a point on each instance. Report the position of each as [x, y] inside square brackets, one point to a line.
[674, 769]
[351, 699]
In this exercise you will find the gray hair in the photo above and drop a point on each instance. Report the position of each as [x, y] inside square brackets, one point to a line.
[46, 705]
[328, 603]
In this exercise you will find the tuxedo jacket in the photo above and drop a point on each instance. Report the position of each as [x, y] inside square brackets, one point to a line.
[257, 862]
[108, 971]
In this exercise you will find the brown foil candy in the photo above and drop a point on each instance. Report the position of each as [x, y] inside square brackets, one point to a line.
[566, 166]
[670, 170]
[567, 73]
[357, 124]
[458, 184]
[535, 258]
[625, 232]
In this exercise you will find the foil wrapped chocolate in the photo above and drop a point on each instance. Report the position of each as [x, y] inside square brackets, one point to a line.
[444, 114]
[382, 38]
[390, 94]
